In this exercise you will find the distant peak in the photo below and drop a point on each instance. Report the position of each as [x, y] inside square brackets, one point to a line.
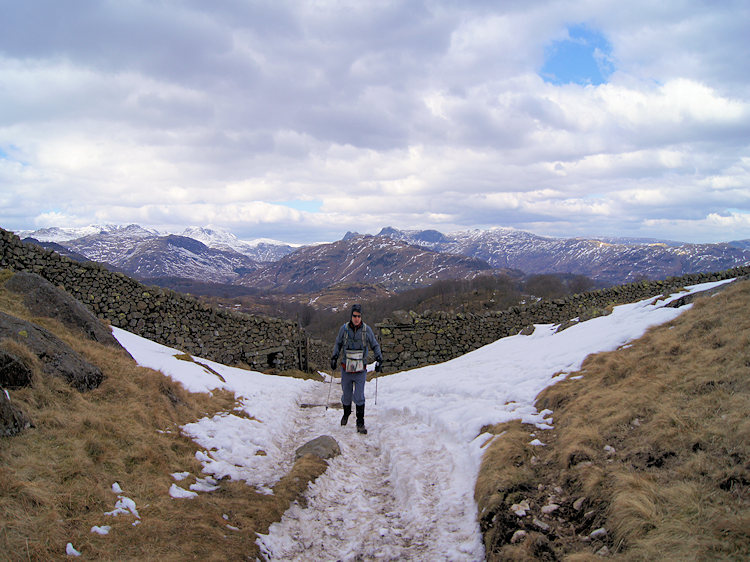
[389, 231]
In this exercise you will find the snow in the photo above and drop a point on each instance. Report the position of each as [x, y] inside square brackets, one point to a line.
[181, 493]
[405, 490]
[124, 505]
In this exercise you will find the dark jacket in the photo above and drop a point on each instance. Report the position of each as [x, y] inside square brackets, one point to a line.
[354, 341]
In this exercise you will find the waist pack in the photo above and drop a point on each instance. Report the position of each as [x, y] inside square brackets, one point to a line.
[354, 360]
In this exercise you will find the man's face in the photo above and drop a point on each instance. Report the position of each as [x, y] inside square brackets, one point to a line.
[356, 318]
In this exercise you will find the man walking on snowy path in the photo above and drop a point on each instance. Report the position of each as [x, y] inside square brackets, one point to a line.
[352, 342]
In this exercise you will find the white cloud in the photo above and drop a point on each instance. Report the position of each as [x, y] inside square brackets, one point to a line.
[427, 114]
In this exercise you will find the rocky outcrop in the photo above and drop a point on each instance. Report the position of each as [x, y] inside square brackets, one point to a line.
[57, 358]
[14, 373]
[42, 298]
[12, 419]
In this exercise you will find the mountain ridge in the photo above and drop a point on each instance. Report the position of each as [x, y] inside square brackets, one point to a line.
[603, 261]
[363, 259]
[277, 266]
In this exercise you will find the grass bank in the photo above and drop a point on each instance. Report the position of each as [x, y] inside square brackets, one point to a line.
[56, 478]
[650, 455]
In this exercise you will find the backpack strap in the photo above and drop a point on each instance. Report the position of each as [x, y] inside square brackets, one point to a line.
[364, 335]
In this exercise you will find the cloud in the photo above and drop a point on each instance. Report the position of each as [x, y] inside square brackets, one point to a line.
[429, 114]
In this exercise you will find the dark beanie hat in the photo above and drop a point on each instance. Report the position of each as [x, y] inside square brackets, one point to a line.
[356, 308]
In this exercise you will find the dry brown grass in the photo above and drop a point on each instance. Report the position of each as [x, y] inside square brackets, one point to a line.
[673, 408]
[56, 478]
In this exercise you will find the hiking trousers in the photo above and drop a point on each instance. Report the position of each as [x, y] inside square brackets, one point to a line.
[353, 387]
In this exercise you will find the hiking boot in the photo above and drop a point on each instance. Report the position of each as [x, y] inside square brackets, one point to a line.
[347, 413]
[361, 419]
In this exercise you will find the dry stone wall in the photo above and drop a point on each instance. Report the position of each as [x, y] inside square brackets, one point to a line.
[409, 340]
[162, 315]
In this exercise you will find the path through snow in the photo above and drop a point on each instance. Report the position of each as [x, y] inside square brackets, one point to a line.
[361, 508]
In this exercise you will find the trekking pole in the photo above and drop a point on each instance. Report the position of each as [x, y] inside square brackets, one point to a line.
[329, 391]
[376, 389]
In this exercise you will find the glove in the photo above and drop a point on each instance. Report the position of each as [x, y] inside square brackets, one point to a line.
[334, 363]
[379, 366]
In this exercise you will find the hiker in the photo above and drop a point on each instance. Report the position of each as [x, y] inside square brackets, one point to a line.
[351, 343]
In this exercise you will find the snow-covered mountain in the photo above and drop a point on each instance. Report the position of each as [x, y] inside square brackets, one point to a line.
[64, 234]
[398, 259]
[363, 259]
[147, 254]
[110, 243]
[182, 257]
[260, 249]
[609, 262]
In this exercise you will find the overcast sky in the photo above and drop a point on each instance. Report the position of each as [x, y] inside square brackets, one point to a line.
[303, 120]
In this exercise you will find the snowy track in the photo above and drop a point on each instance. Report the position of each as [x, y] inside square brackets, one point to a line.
[364, 507]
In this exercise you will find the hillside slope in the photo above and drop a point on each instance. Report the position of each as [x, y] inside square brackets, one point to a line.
[57, 477]
[362, 259]
[650, 453]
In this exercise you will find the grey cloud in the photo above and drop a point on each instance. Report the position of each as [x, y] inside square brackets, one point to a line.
[283, 97]
[135, 36]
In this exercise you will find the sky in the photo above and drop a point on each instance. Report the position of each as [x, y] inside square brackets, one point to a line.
[302, 120]
[406, 489]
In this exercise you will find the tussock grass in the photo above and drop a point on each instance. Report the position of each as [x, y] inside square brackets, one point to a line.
[652, 444]
[56, 478]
